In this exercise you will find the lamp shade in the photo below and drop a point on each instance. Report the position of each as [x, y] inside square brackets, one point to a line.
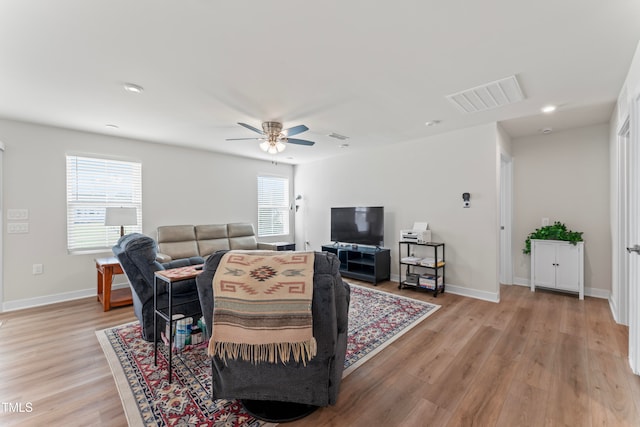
[121, 216]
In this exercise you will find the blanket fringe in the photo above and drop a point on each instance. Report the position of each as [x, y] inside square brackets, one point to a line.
[271, 353]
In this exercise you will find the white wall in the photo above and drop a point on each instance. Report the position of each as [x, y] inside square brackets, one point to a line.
[180, 186]
[564, 176]
[417, 181]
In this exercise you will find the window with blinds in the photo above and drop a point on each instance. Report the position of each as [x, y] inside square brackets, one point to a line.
[273, 206]
[92, 186]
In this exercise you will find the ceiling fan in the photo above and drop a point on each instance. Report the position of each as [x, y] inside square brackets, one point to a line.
[274, 138]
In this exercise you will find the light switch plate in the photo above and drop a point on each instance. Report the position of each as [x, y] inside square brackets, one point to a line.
[17, 227]
[37, 269]
[17, 214]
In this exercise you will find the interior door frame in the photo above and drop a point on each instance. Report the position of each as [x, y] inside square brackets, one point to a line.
[633, 279]
[506, 219]
[619, 300]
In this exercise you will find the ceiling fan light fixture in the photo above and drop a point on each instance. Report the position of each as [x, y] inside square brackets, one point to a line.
[273, 147]
[274, 139]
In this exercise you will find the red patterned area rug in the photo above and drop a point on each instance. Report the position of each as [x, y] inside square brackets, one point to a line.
[376, 319]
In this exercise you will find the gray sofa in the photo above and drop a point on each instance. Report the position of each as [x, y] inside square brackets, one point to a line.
[137, 255]
[186, 241]
[315, 384]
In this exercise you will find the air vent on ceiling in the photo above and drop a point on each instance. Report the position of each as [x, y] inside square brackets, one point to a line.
[338, 136]
[488, 96]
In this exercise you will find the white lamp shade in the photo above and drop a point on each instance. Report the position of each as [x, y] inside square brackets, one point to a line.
[121, 216]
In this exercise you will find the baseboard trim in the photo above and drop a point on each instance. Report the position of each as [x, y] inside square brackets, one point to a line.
[22, 304]
[597, 293]
[520, 281]
[589, 292]
[614, 310]
[472, 293]
[465, 292]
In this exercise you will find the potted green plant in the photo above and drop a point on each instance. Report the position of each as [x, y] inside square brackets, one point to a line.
[557, 231]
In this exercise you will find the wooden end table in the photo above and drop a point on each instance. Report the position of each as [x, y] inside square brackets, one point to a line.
[106, 268]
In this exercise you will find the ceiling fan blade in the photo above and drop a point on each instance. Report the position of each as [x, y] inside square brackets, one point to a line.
[243, 139]
[295, 130]
[300, 141]
[251, 128]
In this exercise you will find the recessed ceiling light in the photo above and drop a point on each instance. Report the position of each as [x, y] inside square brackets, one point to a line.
[343, 146]
[546, 130]
[432, 123]
[549, 109]
[130, 87]
[110, 125]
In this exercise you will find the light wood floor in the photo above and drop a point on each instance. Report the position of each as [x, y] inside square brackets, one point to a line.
[535, 359]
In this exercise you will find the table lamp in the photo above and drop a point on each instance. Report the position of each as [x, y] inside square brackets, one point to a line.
[121, 216]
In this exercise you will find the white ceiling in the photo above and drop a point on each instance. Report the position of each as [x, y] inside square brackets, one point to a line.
[375, 72]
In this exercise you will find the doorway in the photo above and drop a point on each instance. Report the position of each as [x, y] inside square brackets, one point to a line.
[506, 210]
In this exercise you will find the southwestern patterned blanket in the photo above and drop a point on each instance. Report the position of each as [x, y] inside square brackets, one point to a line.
[262, 307]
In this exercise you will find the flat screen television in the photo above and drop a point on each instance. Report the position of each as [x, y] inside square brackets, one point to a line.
[362, 225]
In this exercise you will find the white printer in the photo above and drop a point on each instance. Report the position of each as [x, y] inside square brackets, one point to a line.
[420, 233]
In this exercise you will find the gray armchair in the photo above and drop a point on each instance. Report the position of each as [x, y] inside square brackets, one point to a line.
[137, 255]
[315, 384]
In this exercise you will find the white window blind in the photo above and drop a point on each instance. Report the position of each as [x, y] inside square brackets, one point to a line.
[273, 206]
[93, 185]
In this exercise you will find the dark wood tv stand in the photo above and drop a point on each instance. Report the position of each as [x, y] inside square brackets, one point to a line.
[362, 262]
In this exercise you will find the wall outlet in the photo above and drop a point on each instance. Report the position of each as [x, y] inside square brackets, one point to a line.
[37, 269]
[545, 222]
[17, 227]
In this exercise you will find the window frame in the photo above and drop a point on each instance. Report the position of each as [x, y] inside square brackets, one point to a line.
[282, 209]
[119, 185]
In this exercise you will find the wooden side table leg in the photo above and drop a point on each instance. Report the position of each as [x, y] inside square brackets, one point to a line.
[106, 287]
[99, 284]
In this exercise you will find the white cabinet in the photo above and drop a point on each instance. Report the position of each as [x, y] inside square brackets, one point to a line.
[557, 265]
